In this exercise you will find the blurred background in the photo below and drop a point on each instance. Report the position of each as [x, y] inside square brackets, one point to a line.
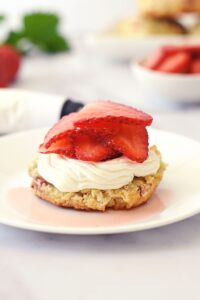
[77, 16]
[99, 49]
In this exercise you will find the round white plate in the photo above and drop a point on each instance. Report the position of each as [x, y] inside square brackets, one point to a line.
[177, 198]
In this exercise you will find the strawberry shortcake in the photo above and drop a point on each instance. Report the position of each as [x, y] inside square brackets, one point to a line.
[98, 158]
[168, 8]
[145, 26]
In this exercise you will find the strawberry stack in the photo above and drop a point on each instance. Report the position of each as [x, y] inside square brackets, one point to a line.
[100, 131]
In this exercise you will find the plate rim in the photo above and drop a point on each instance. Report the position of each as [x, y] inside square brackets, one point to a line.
[96, 231]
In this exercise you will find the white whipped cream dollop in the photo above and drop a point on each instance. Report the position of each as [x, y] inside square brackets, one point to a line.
[71, 175]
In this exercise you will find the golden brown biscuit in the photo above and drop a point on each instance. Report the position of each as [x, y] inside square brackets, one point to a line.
[167, 8]
[195, 30]
[146, 27]
[135, 193]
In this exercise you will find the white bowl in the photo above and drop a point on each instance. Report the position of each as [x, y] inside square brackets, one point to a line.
[175, 87]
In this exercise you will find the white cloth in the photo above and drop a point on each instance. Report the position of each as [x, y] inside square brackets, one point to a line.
[156, 264]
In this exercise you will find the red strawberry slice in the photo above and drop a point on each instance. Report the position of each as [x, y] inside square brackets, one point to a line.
[66, 127]
[132, 141]
[63, 147]
[90, 148]
[63, 128]
[102, 128]
[155, 59]
[195, 66]
[176, 63]
[111, 113]
[193, 49]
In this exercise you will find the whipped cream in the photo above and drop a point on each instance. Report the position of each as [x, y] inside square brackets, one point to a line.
[72, 175]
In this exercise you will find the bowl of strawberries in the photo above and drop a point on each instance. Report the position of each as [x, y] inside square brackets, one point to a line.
[171, 73]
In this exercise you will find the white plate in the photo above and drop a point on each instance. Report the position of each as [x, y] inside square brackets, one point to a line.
[176, 198]
[126, 48]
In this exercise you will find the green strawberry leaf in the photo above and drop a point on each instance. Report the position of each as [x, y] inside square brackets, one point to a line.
[40, 27]
[39, 30]
[55, 43]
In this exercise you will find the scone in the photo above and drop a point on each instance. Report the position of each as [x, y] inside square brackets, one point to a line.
[167, 8]
[147, 26]
[195, 30]
[98, 158]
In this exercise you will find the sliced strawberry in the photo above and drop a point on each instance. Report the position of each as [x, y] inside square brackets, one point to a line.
[63, 147]
[132, 141]
[102, 128]
[176, 63]
[101, 131]
[113, 113]
[90, 148]
[195, 66]
[193, 49]
[61, 129]
[101, 117]
[155, 59]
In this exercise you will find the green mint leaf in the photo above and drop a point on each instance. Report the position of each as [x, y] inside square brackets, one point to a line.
[55, 43]
[39, 27]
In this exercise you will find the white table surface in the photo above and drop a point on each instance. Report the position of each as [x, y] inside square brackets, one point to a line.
[157, 264]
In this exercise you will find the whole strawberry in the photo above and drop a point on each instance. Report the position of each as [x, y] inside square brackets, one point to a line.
[10, 61]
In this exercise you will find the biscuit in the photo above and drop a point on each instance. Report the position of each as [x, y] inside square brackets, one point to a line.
[146, 27]
[167, 8]
[195, 30]
[131, 195]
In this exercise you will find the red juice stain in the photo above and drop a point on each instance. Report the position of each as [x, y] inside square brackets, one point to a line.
[25, 205]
